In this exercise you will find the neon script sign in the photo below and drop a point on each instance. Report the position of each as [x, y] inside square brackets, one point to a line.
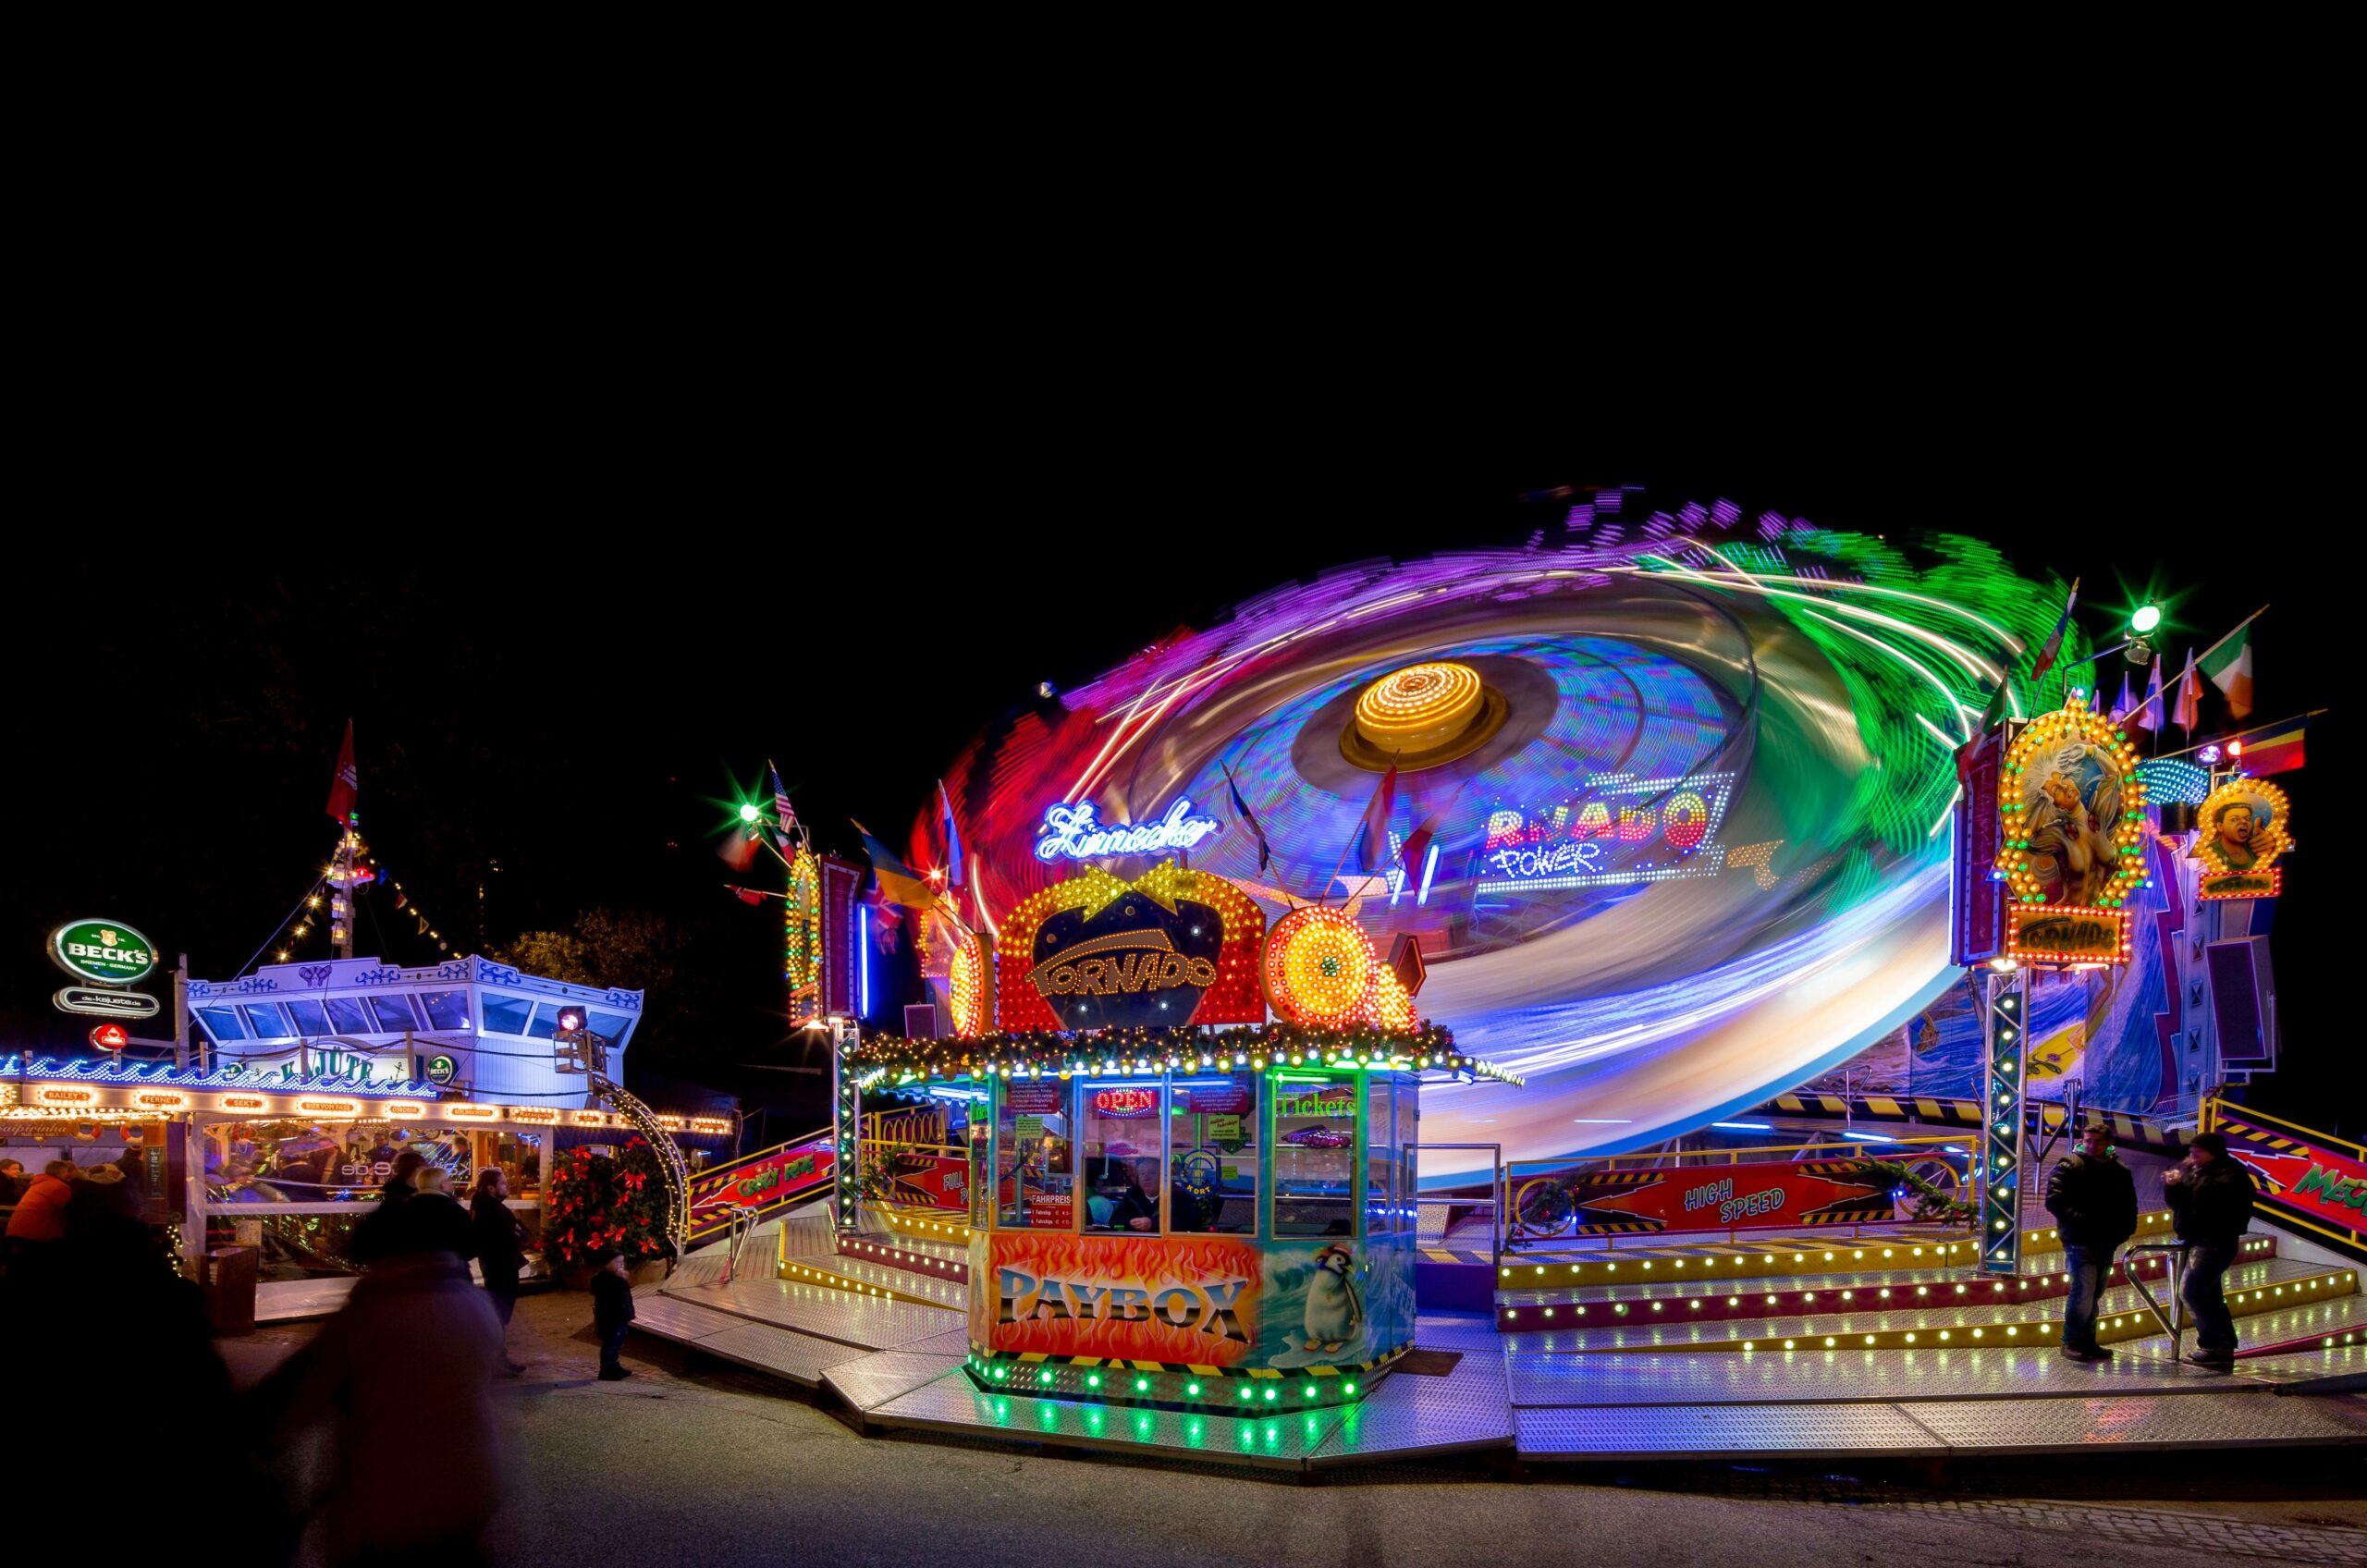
[1621, 830]
[1126, 1102]
[1071, 832]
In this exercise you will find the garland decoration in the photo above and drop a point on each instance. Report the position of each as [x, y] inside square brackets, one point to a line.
[1266, 1048]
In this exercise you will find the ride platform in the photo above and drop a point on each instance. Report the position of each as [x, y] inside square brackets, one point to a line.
[871, 1323]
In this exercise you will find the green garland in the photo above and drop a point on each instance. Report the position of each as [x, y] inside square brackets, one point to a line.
[1263, 1048]
[1933, 1203]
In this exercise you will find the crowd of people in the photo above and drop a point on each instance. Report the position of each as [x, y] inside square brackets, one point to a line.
[416, 1349]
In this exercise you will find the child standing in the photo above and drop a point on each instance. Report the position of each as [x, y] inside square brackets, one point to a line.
[612, 1312]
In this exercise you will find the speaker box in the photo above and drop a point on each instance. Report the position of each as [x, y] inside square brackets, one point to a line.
[920, 1020]
[2243, 1001]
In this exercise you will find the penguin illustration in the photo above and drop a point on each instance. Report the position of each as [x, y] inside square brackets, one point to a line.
[1335, 1314]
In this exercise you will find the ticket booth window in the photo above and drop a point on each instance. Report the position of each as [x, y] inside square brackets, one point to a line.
[1314, 1157]
[1034, 1159]
[1123, 1137]
[1381, 1160]
[1212, 1153]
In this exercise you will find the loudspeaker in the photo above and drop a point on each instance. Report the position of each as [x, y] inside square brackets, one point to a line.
[2243, 1001]
[920, 1020]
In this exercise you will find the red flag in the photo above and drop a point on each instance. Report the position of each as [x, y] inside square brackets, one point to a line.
[2046, 655]
[740, 848]
[747, 895]
[1372, 834]
[342, 787]
[2190, 709]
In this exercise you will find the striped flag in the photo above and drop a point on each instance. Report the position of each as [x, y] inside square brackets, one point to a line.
[1372, 848]
[2120, 709]
[2274, 751]
[2190, 709]
[2046, 655]
[1249, 818]
[953, 877]
[345, 781]
[899, 883]
[2148, 715]
[2228, 662]
[784, 815]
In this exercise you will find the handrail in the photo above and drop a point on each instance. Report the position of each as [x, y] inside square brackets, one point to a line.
[1499, 1189]
[2178, 1252]
[816, 1135]
[2213, 1107]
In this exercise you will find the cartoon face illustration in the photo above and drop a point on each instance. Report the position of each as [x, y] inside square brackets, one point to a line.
[1335, 1312]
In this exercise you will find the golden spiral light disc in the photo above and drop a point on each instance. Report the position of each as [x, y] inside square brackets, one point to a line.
[1422, 715]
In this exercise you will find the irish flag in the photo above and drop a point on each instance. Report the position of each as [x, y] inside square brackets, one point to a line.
[2230, 665]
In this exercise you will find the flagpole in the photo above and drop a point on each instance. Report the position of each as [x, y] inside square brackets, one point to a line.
[2239, 734]
[2238, 626]
[1324, 893]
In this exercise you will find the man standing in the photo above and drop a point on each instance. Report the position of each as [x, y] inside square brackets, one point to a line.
[2211, 1201]
[2093, 1199]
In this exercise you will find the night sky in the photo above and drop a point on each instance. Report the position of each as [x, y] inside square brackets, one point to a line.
[565, 661]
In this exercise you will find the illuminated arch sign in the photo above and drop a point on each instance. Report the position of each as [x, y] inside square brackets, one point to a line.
[1619, 830]
[1071, 832]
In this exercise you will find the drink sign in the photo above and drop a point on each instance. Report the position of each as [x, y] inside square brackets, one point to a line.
[105, 951]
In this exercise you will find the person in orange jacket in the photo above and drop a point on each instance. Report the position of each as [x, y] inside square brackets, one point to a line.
[37, 1230]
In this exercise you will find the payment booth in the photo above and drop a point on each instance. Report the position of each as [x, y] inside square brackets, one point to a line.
[1227, 1223]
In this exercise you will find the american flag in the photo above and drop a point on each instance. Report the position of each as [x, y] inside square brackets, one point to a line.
[784, 814]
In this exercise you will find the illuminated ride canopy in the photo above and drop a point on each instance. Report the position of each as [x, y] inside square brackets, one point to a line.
[1686, 776]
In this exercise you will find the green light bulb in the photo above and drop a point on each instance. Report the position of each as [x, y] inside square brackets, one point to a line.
[2147, 618]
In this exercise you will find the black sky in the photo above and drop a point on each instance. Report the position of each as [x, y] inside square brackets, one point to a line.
[562, 639]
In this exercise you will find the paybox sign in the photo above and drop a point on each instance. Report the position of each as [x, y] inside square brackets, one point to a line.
[106, 950]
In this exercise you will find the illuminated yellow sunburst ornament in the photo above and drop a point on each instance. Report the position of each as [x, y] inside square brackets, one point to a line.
[1320, 969]
[1422, 716]
[966, 982]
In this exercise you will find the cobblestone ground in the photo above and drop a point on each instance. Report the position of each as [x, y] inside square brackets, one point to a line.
[691, 1455]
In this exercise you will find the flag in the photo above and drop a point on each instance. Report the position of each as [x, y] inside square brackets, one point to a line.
[952, 840]
[1241, 809]
[2275, 751]
[2120, 709]
[1419, 842]
[2149, 712]
[784, 815]
[746, 895]
[899, 883]
[2054, 639]
[342, 785]
[2228, 662]
[1370, 851]
[2190, 709]
[738, 847]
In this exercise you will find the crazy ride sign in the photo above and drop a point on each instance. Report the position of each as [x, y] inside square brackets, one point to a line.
[759, 1183]
[1732, 1197]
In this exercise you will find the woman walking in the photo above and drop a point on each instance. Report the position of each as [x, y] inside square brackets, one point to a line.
[501, 1247]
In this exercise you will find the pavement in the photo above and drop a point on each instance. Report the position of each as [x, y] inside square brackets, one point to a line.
[695, 1457]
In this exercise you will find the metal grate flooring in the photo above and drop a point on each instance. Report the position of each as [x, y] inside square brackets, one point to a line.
[865, 1322]
[1408, 1415]
[1938, 1313]
[2249, 1420]
[943, 1292]
[1824, 1376]
[872, 1380]
[1708, 1431]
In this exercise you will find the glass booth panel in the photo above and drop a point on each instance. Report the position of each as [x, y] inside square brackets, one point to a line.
[1409, 1164]
[1314, 1157]
[1381, 1160]
[1126, 1154]
[1035, 1158]
[1212, 1152]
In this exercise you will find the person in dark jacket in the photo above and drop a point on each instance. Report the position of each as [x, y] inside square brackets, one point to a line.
[376, 1231]
[2093, 1199]
[501, 1244]
[612, 1312]
[2210, 1200]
